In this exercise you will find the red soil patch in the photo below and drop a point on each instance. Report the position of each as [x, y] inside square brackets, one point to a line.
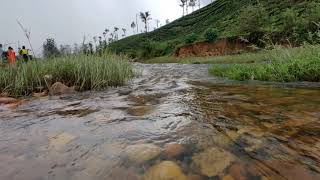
[221, 47]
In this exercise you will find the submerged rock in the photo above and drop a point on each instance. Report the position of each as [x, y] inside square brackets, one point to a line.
[141, 153]
[166, 170]
[227, 177]
[59, 141]
[58, 88]
[173, 150]
[213, 161]
[139, 110]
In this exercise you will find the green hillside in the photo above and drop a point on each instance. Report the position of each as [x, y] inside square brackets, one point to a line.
[289, 21]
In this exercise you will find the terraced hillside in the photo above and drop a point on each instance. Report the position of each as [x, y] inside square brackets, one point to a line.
[279, 19]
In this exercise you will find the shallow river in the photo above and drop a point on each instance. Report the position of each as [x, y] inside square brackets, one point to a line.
[171, 122]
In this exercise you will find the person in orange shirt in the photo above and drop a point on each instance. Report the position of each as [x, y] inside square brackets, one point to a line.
[11, 56]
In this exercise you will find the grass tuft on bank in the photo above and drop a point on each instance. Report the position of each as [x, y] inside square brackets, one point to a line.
[85, 72]
[280, 64]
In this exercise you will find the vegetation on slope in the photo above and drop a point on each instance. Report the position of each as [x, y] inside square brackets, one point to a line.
[285, 21]
[86, 72]
[284, 65]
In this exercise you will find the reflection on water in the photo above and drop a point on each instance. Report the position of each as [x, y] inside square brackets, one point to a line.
[167, 124]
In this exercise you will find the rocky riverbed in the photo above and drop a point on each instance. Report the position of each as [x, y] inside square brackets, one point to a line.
[171, 122]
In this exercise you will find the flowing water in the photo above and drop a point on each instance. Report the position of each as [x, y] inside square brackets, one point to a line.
[171, 122]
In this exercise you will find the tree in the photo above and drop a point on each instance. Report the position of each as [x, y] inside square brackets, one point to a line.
[145, 18]
[124, 30]
[133, 26]
[76, 49]
[191, 38]
[65, 49]
[111, 39]
[167, 21]
[192, 4]
[211, 35]
[50, 48]
[115, 32]
[157, 22]
[183, 4]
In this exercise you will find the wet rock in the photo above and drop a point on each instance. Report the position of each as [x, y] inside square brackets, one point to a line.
[124, 92]
[42, 94]
[59, 141]
[15, 104]
[227, 177]
[139, 110]
[194, 177]
[293, 171]
[237, 171]
[166, 170]
[213, 161]
[58, 89]
[141, 153]
[173, 150]
[76, 111]
[8, 100]
[122, 174]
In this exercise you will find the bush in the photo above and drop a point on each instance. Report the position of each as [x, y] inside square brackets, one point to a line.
[211, 35]
[191, 38]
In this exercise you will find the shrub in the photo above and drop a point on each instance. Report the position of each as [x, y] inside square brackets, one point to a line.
[191, 38]
[211, 35]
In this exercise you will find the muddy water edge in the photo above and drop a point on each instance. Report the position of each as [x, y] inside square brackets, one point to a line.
[171, 122]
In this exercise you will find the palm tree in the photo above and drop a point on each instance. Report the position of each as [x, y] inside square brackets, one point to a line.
[124, 32]
[183, 4]
[192, 4]
[116, 29]
[187, 6]
[100, 40]
[133, 26]
[111, 39]
[158, 22]
[145, 17]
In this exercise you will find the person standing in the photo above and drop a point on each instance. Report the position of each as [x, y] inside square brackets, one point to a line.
[11, 55]
[25, 54]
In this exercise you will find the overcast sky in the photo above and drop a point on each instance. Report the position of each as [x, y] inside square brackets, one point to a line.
[69, 20]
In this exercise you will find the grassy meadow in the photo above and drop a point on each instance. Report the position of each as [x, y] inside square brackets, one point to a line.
[85, 72]
[279, 64]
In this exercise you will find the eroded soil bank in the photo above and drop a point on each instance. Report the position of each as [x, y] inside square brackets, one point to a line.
[172, 122]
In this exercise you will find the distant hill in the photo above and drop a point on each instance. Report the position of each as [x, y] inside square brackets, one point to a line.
[290, 21]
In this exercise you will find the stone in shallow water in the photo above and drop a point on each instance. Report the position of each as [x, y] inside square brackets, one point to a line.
[227, 177]
[173, 150]
[166, 170]
[141, 153]
[213, 161]
[139, 110]
[58, 142]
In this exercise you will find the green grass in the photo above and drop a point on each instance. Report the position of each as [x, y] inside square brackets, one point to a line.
[85, 72]
[224, 15]
[282, 65]
[245, 58]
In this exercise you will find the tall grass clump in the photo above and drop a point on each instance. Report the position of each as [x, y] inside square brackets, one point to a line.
[283, 65]
[85, 72]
